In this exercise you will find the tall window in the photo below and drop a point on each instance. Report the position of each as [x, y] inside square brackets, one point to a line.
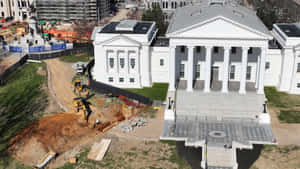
[233, 50]
[122, 62]
[298, 67]
[198, 49]
[111, 62]
[182, 49]
[232, 71]
[197, 71]
[248, 75]
[1, 4]
[132, 63]
[216, 50]
[250, 51]
[267, 66]
[181, 73]
[161, 62]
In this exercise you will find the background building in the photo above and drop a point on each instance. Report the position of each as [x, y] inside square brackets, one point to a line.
[18, 9]
[65, 10]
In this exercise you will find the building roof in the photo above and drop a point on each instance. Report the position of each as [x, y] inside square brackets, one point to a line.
[130, 27]
[191, 15]
[291, 30]
[160, 42]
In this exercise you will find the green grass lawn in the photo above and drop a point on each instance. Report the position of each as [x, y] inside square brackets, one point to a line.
[281, 99]
[285, 103]
[289, 116]
[157, 92]
[21, 101]
[76, 58]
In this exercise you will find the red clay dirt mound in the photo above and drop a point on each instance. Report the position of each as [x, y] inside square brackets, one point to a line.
[58, 133]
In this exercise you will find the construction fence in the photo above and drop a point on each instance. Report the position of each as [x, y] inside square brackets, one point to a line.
[11, 69]
[56, 54]
[43, 56]
[99, 87]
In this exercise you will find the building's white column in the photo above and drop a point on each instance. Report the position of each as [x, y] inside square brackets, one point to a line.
[243, 70]
[207, 68]
[260, 89]
[127, 61]
[288, 61]
[257, 72]
[190, 66]
[145, 69]
[225, 69]
[172, 62]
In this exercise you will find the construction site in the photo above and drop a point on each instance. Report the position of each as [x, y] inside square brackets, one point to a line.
[87, 116]
[66, 10]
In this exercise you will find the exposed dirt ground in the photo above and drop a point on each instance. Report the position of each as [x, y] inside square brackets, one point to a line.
[60, 82]
[57, 133]
[286, 134]
[7, 62]
[64, 133]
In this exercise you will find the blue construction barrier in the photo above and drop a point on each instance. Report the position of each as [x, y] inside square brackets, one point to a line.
[37, 49]
[15, 49]
[58, 46]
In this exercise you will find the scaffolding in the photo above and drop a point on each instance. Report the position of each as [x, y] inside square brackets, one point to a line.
[66, 10]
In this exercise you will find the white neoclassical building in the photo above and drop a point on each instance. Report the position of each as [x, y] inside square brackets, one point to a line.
[217, 57]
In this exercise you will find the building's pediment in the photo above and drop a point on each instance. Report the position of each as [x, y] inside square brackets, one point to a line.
[121, 40]
[221, 28]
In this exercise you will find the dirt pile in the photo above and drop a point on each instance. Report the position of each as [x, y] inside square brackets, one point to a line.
[58, 133]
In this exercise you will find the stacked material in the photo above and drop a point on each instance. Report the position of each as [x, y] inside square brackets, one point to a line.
[130, 125]
[98, 150]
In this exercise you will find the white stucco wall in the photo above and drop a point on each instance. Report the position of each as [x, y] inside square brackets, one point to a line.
[160, 73]
[272, 75]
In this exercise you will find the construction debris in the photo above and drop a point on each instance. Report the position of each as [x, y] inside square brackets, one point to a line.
[98, 150]
[73, 160]
[49, 156]
[130, 125]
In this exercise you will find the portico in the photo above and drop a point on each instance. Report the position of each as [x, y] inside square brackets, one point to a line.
[224, 61]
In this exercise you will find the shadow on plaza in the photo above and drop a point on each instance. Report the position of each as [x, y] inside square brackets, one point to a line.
[193, 156]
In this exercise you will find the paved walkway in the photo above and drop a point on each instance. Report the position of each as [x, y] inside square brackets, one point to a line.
[286, 134]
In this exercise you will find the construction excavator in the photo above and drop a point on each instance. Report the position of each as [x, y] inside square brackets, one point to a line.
[78, 87]
[81, 103]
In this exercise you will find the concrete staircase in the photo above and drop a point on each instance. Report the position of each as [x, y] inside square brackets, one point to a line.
[220, 158]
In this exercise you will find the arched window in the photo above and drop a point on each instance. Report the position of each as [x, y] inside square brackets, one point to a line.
[167, 4]
[2, 14]
[1, 4]
[175, 5]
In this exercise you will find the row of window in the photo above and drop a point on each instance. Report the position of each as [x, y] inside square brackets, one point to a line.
[122, 62]
[132, 62]
[121, 80]
[20, 4]
[215, 50]
[231, 74]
